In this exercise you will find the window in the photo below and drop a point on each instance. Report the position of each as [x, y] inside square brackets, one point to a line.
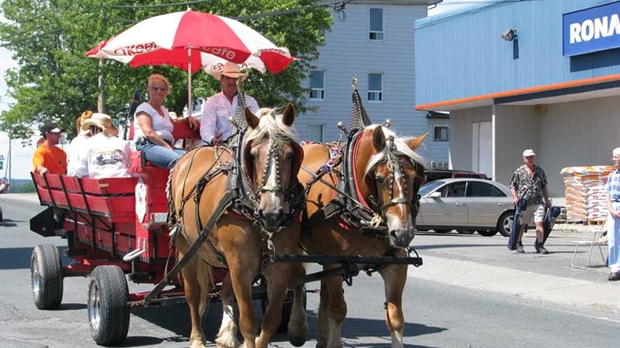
[317, 84]
[440, 133]
[454, 190]
[481, 189]
[376, 24]
[375, 87]
[315, 132]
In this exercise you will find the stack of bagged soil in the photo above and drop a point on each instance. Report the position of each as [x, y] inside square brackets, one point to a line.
[585, 193]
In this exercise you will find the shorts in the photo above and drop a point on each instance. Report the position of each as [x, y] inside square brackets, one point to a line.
[536, 210]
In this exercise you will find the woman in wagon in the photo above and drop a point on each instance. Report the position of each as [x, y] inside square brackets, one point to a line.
[76, 149]
[107, 156]
[153, 125]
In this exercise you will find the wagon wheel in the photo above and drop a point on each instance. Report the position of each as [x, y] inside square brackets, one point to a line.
[108, 310]
[287, 305]
[46, 277]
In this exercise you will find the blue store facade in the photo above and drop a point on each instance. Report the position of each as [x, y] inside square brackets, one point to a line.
[543, 75]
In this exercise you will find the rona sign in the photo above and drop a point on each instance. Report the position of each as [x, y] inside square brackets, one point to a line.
[591, 30]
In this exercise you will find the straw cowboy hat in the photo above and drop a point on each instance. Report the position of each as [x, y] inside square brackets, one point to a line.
[80, 120]
[229, 69]
[102, 121]
[528, 153]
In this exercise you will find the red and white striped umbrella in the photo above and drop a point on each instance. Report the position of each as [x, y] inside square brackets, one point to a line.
[190, 40]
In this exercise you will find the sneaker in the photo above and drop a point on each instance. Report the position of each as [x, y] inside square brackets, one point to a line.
[542, 250]
[614, 276]
[520, 248]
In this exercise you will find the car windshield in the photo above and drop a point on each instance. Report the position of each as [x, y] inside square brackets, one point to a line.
[425, 189]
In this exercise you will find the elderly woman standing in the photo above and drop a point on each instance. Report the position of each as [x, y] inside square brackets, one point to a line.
[613, 220]
[153, 125]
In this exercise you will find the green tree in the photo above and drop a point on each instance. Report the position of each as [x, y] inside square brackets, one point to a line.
[55, 81]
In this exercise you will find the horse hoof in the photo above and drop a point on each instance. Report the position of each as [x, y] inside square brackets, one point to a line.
[297, 341]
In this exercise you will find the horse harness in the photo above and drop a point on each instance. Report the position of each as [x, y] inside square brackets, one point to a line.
[240, 198]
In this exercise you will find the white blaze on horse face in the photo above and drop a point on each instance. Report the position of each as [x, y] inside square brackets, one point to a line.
[270, 201]
[398, 221]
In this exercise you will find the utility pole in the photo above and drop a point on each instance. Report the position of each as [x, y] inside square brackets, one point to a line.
[9, 164]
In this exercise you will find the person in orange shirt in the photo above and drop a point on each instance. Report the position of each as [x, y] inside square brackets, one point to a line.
[49, 158]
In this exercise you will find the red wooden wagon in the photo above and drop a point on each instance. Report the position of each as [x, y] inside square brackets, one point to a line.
[116, 229]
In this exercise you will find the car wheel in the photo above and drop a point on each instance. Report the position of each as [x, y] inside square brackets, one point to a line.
[465, 232]
[504, 225]
[487, 233]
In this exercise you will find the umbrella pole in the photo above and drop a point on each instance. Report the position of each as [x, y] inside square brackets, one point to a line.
[190, 106]
[100, 103]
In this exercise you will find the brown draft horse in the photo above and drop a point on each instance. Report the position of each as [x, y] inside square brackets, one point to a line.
[387, 173]
[263, 219]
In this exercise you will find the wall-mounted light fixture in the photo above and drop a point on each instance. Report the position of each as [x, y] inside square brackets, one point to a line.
[509, 34]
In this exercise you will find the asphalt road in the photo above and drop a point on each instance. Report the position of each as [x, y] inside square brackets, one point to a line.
[438, 314]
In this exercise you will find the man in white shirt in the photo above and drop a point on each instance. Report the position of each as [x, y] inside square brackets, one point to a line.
[107, 155]
[215, 128]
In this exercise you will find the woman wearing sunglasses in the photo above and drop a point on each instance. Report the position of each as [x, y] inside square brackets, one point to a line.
[153, 125]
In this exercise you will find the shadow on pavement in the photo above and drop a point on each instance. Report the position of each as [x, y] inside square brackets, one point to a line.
[9, 223]
[19, 258]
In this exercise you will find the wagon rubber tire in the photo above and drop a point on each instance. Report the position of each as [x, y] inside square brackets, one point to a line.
[107, 305]
[46, 277]
[504, 225]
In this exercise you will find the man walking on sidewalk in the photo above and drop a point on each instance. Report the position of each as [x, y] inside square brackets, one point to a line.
[529, 184]
[613, 220]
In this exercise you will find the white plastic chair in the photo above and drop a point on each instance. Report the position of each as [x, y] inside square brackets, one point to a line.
[584, 240]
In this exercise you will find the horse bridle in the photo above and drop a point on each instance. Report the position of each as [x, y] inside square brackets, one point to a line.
[395, 168]
[274, 148]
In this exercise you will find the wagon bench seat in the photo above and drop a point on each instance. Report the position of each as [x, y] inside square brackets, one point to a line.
[111, 197]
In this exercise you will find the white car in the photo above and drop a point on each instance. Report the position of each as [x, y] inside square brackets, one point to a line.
[466, 205]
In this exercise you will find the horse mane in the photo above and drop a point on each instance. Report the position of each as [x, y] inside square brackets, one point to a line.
[271, 125]
[401, 147]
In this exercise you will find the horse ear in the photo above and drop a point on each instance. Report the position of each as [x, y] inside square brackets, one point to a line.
[250, 119]
[288, 117]
[414, 143]
[378, 139]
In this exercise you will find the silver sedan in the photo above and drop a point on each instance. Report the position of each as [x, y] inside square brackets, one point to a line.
[467, 205]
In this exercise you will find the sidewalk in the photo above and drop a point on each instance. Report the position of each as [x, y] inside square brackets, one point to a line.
[529, 285]
[482, 263]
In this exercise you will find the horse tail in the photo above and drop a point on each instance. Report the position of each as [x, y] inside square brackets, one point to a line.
[205, 279]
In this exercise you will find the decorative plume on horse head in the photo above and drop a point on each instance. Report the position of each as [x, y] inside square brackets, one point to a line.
[359, 117]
